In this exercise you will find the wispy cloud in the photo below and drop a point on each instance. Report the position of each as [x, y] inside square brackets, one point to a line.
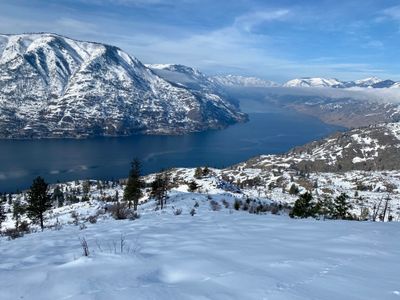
[276, 41]
[392, 12]
[248, 21]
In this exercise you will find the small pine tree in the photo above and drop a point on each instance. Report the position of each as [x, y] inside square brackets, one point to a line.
[303, 207]
[342, 206]
[4, 198]
[325, 207]
[3, 215]
[206, 171]
[18, 212]
[198, 173]
[133, 192]
[58, 196]
[294, 190]
[116, 197]
[86, 187]
[39, 200]
[159, 188]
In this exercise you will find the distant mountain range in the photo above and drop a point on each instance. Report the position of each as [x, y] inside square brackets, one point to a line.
[54, 86]
[372, 82]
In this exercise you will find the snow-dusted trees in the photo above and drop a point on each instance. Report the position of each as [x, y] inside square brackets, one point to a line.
[133, 192]
[3, 215]
[18, 211]
[39, 200]
[342, 207]
[303, 207]
[159, 188]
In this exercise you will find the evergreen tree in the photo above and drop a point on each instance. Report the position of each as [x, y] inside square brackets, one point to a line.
[325, 207]
[159, 188]
[342, 206]
[303, 207]
[39, 200]
[3, 215]
[198, 173]
[294, 190]
[133, 192]
[86, 187]
[58, 196]
[116, 197]
[18, 212]
[206, 171]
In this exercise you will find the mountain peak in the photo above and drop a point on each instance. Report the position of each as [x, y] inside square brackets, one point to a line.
[53, 86]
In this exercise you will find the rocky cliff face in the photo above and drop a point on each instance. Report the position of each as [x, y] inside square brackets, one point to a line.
[53, 86]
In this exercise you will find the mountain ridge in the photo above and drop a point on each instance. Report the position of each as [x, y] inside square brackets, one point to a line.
[54, 86]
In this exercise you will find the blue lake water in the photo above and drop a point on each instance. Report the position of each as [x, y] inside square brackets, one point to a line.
[107, 158]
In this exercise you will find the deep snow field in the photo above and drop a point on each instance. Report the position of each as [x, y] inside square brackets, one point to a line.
[224, 254]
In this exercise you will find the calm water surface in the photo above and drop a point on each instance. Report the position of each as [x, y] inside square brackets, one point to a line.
[107, 158]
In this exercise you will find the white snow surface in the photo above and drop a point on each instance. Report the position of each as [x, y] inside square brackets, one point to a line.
[213, 255]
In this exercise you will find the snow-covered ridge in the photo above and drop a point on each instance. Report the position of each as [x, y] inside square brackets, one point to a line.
[376, 147]
[313, 82]
[371, 82]
[53, 86]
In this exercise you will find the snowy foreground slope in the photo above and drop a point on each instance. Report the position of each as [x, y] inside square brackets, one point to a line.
[222, 254]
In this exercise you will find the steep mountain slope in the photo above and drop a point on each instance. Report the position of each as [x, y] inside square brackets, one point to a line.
[53, 86]
[376, 147]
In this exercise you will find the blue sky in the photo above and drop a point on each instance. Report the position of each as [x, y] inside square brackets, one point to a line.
[276, 40]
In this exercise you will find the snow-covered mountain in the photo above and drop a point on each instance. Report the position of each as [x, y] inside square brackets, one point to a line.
[367, 82]
[53, 86]
[371, 82]
[242, 81]
[313, 82]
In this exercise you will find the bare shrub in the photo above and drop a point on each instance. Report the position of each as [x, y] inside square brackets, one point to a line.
[119, 211]
[75, 218]
[24, 227]
[225, 203]
[215, 206]
[85, 247]
[133, 215]
[13, 233]
[178, 211]
[92, 219]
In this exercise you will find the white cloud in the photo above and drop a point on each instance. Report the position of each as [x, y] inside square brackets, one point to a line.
[392, 12]
[248, 21]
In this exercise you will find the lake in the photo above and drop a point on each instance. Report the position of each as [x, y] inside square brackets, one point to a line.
[109, 157]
